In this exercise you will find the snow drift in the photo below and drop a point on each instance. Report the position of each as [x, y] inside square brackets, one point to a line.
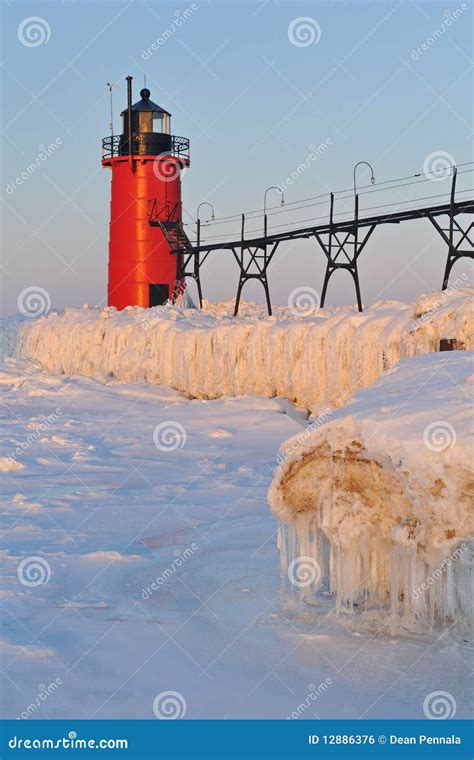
[378, 499]
[325, 356]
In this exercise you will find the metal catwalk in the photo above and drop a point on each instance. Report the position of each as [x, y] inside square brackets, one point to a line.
[341, 241]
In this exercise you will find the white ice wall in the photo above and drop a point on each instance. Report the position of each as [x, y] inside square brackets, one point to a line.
[318, 359]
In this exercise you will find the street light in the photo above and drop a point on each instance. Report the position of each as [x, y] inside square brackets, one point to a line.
[372, 178]
[282, 203]
[205, 203]
[198, 221]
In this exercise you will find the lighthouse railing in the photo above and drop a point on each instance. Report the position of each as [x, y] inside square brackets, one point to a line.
[117, 145]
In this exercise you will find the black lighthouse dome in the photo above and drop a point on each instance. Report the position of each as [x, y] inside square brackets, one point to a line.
[146, 130]
[151, 127]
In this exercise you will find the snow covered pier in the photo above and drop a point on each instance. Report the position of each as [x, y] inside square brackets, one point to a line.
[314, 358]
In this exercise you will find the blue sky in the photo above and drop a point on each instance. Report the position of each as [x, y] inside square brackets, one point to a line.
[252, 103]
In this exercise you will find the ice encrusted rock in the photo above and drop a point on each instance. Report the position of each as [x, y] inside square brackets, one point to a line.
[378, 501]
[324, 357]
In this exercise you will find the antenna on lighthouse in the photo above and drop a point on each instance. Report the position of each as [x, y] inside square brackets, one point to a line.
[111, 85]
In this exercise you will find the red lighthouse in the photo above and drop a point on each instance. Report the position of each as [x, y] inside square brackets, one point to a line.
[145, 211]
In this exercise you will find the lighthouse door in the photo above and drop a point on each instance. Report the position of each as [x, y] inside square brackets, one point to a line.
[159, 294]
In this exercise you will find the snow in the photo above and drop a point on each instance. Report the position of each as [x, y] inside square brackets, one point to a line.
[139, 554]
[322, 357]
[100, 639]
[378, 498]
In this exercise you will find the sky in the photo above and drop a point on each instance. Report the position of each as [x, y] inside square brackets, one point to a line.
[254, 86]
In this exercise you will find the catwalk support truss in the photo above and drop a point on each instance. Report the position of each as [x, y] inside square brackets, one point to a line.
[460, 242]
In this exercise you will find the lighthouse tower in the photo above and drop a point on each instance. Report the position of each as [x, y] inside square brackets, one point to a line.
[146, 233]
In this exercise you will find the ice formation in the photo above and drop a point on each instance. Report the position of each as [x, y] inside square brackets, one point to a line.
[377, 501]
[323, 357]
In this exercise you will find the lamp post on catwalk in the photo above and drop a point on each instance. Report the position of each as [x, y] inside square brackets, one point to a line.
[146, 160]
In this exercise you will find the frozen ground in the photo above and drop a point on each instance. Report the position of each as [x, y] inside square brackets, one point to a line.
[106, 513]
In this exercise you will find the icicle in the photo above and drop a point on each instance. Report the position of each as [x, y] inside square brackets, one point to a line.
[421, 593]
[281, 544]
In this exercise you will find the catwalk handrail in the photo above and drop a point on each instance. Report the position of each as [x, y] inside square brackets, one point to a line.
[341, 195]
[394, 217]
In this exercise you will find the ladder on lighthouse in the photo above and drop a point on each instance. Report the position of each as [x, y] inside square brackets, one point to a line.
[180, 245]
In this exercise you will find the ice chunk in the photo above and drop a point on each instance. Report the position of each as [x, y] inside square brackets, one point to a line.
[391, 494]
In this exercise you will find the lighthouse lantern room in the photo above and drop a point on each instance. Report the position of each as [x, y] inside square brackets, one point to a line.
[146, 232]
